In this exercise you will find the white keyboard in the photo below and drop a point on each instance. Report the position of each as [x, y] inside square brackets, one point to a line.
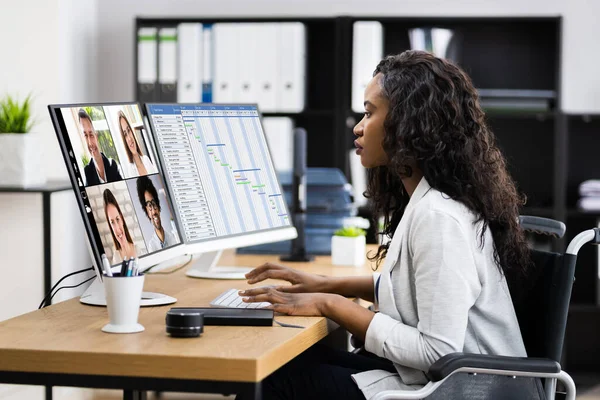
[231, 299]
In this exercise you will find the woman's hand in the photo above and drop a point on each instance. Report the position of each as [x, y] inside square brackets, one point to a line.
[355, 318]
[306, 304]
[302, 282]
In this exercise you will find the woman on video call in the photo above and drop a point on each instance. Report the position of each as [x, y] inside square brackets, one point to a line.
[451, 211]
[124, 246]
[139, 164]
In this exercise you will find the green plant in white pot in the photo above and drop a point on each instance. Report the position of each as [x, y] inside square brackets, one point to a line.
[20, 150]
[348, 247]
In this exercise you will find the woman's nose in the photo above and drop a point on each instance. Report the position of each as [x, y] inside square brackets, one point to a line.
[358, 130]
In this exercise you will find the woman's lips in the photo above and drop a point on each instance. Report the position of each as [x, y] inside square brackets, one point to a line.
[359, 148]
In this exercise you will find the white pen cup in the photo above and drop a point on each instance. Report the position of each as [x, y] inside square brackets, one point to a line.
[123, 297]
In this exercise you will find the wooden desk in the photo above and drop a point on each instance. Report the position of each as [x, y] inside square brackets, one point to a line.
[62, 345]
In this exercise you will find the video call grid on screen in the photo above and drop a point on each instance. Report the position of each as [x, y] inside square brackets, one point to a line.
[219, 169]
[112, 159]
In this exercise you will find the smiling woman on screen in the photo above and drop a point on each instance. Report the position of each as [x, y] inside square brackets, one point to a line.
[124, 246]
[139, 164]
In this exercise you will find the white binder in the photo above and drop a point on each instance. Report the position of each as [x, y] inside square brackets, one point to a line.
[247, 91]
[167, 63]
[147, 63]
[367, 51]
[291, 66]
[417, 40]
[189, 56]
[440, 39]
[279, 132]
[435, 40]
[225, 73]
[265, 61]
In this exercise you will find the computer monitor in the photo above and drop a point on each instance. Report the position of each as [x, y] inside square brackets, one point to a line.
[119, 187]
[203, 181]
[220, 175]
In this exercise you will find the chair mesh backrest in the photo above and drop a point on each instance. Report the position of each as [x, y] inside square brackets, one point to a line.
[543, 308]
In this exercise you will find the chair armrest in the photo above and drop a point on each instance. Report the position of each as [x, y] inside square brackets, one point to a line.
[451, 362]
[543, 226]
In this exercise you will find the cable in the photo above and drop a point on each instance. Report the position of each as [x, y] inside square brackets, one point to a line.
[62, 279]
[70, 287]
[149, 271]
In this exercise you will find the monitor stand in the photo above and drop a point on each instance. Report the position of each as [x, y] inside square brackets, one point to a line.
[205, 266]
[94, 296]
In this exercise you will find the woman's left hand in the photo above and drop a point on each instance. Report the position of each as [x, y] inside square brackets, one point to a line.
[307, 304]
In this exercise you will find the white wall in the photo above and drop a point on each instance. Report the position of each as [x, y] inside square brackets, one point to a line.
[52, 46]
[49, 50]
[581, 57]
[39, 56]
[30, 64]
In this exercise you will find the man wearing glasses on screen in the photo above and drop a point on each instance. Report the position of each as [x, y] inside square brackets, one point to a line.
[150, 202]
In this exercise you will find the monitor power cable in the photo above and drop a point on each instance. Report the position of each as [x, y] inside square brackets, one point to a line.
[46, 301]
[69, 287]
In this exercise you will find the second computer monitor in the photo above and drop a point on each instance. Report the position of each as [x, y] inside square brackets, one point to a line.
[220, 174]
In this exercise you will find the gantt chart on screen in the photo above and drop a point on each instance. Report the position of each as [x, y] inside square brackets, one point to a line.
[219, 169]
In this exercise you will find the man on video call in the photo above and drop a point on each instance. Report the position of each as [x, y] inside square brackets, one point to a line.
[101, 169]
[149, 201]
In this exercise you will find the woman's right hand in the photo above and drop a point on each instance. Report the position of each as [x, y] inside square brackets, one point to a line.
[302, 282]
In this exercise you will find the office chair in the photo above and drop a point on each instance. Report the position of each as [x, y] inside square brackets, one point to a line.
[542, 313]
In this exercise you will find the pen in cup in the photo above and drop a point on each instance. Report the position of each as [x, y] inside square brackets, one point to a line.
[124, 267]
[129, 267]
[106, 265]
[136, 267]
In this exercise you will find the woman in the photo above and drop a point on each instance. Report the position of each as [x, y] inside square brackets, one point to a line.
[139, 164]
[124, 246]
[451, 212]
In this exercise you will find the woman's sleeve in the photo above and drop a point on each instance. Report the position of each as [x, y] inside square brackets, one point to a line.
[446, 286]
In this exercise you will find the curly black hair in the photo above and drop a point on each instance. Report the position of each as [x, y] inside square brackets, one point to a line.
[435, 122]
[144, 184]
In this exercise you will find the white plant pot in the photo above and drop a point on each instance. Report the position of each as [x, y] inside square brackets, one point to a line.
[349, 251]
[21, 160]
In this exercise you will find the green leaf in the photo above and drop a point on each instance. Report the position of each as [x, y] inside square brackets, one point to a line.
[85, 159]
[15, 117]
[350, 231]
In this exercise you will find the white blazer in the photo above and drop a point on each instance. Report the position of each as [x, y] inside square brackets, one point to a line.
[439, 292]
[133, 171]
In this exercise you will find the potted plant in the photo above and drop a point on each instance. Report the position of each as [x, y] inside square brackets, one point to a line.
[20, 150]
[348, 247]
